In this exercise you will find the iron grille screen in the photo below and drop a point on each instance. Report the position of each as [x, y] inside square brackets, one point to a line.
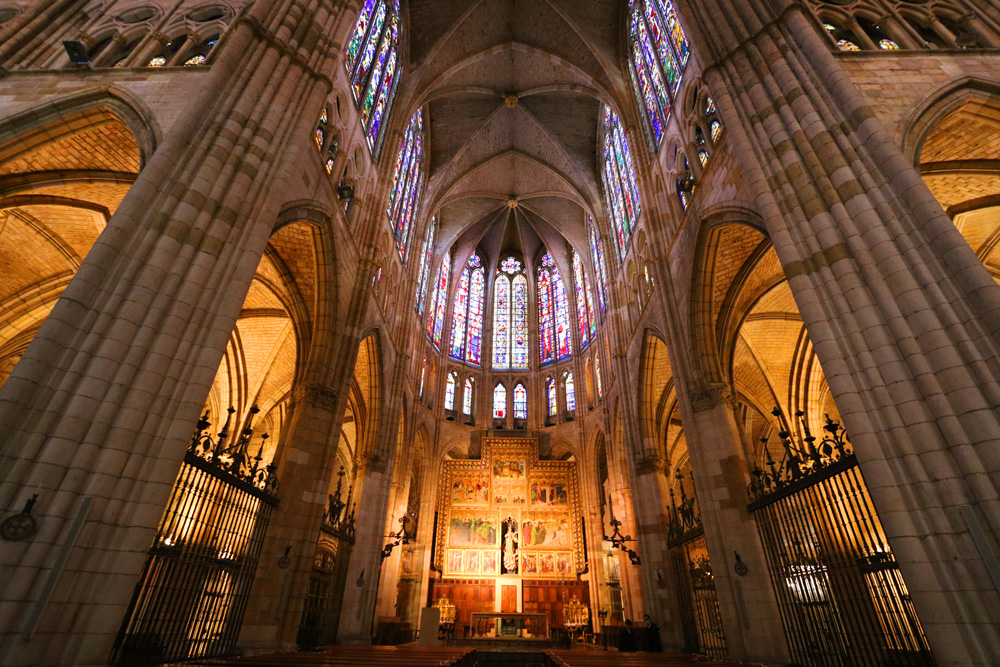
[190, 598]
[842, 597]
[701, 618]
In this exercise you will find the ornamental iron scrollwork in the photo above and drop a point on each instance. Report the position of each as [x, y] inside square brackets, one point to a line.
[336, 520]
[229, 453]
[801, 460]
[684, 517]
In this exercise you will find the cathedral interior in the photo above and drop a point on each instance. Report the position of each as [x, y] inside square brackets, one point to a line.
[504, 321]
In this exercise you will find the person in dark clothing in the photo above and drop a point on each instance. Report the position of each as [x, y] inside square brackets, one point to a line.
[653, 642]
[627, 641]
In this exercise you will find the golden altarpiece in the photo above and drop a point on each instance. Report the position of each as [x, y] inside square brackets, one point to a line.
[509, 539]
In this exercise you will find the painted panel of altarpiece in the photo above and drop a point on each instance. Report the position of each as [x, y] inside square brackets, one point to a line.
[508, 513]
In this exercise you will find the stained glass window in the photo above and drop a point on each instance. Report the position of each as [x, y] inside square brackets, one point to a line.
[620, 190]
[520, 402]
[157, 61]
[715, 125]
[570, 392]
[659, 52]
[888, 45]
[500, 402]
[467, 314]
[510, 316]
[425, 266]
[553, 313]
[449, 392]
[847, 45]
[371, 62]
[597, 256]
[320, 137]
[404, 197]
[597, 375]
[467, 398]
[423, 376]
[550, 393]
[438, 302]
[584, 301]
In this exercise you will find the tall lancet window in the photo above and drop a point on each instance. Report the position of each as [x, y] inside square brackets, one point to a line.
[597, 255]
[520, 402]
[467, 398]
[584, 301]
[372, 65]
[510, 316]
[407, 181]
[467, 315]
[438, 302]
[553, 314]
[570, 391]
[499, 402]
[658, 55]
[550, 396]
[620, 191]
[449, 392]
[425, 266]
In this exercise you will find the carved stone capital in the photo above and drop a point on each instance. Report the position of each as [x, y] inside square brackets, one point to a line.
[86, 40]
[159, 37]
[369, 462]
[120, 39]
[316, 395]
[651, 463]
[706, 398]
[194, 38]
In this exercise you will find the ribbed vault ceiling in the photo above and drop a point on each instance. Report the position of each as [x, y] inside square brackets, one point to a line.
[513, 91]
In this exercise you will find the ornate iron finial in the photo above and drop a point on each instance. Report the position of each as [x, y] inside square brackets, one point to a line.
[800, 460]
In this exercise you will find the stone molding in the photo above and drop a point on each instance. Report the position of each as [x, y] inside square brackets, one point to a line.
[317, 395]
[707, 398]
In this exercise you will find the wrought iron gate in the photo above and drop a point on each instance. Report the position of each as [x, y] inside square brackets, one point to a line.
[842, 597]
[192, 593]
[322, 607]
[701, 618]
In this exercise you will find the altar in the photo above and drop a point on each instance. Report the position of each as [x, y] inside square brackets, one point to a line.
[498, 625]
[509, 541]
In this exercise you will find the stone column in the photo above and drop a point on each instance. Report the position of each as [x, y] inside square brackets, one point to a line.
[374, 482]
[307, 462]
[750, 615]
[98, 414]
[904, 317]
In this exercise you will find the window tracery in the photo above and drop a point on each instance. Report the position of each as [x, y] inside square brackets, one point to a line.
[597, 256]
[620, 190]
[587, 325]
[371, 63]
[439, 296]
[467, 315]
[553, 314]
[659, 54]
[407, 181]
[326, 139]
[424, 272]
[510, 316]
